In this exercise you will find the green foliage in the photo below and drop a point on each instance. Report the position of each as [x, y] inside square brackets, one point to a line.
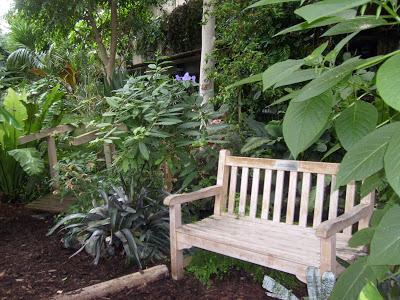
[245, 46]
[167, 125]
[207, 265]
[129, 223]
[29, 159]
[182, 28]
[372, 148]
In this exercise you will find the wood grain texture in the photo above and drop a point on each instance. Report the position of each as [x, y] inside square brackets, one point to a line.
[232, 190]
[266, 198]
[280, 176]
[243, 191]
[254, 193]
[291, 198]
[305, 195]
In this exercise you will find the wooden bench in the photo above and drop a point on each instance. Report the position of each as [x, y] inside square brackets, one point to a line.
[273, 223]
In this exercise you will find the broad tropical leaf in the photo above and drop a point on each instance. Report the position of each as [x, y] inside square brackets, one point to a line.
[385, 245]
[29, 159]
[362, 237]
[331, 56]
[297, 77]
[370, 292]
[355, 122]
[267, 2]
[388, 82]
[280, 71]
[366, 157]
[251, 79]
[13, 104]
[392, 163]
[305, 121]
[8, 118]
[326, 8]
[348, 14]
[356, 276]
[328, 80]
[354, 25]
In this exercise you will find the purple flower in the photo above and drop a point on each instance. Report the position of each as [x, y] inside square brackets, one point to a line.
[185, 77]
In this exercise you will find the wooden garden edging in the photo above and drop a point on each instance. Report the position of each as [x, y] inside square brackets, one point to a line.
[116, 285]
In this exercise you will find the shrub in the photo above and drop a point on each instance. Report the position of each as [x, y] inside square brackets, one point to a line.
[137, 228]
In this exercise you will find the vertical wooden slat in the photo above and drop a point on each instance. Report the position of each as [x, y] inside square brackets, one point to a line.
[52, 153]
[291, 198]
[369, 199]
[266, 199]
[222, 180]
[280, 175]
[254, 193]
[305, 195]
[232, 190]
[350, 198]
[333, 200]
[319, 200]
[243, 191]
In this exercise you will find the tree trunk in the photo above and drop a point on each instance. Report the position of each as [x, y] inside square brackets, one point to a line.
[107, 57]
[208, 41]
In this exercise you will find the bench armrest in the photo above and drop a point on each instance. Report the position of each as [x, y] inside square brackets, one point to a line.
[189, 197]
[328, 228]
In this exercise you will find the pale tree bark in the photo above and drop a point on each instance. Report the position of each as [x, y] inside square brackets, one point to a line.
[207, 46]
[106, 57]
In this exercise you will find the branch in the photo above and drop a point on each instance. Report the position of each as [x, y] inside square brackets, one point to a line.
[97, 37]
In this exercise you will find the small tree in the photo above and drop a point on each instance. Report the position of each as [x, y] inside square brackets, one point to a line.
[102, 22]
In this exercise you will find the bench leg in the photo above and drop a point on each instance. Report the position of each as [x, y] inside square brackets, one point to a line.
[328, 255]
[175, 221]
[176, 264]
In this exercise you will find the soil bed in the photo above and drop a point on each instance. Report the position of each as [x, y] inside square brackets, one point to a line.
[34, 266]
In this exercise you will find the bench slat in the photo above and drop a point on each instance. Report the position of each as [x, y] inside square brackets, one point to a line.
[350, 199]
[280, 176]
[334, 199]
[319, 200]
[266, 199]
[291, 198]
[254, 193]
[305, 194]
[243, 191]
[232, 190]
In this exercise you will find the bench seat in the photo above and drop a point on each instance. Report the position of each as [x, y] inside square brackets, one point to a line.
[279, 246]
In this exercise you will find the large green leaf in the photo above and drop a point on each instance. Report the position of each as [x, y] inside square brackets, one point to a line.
[267, 2]
[326, 8]
[331, 56]
[348, 14]
[355, 122]
[356, 24]
[366, 157]
[356, 276]
[305, 121]
[327, 80]
[280, 71]
[370, 292]
[8, 118]
[392, 163]
[13, 104]
[388, 82]
[362, 237]
[385, 245]
[297, 77]
[29, 159]
[251, 79]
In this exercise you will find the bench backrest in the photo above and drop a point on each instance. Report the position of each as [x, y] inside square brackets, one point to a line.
[293, 192]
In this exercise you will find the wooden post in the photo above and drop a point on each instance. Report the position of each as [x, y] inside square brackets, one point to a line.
[175, 221]
[108, 151]
[328, 255]
[369, 199]
[207, 64]
[168, 178]
[222, 180]
[52, 153]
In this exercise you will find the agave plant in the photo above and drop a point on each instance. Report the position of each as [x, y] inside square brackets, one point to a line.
[115, 227]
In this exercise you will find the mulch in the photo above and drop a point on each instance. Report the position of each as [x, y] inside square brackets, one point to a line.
[34, 266]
